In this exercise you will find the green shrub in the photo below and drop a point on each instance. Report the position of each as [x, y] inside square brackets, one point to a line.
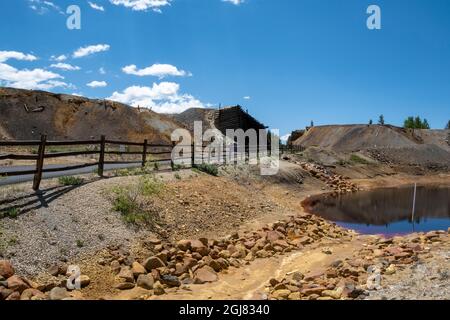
[210, 169]
[70, 181]
[12, 213]
[357, 159]
[177, 176]
[130, 201]
[80, 244]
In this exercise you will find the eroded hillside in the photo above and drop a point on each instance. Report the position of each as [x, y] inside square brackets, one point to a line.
[27, 114]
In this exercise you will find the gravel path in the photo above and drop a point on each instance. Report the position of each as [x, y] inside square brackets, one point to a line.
[426, 280]
[78, 222]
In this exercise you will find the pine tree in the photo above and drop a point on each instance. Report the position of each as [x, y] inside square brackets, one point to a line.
[381, 120]
[370, 122]
[448, 125]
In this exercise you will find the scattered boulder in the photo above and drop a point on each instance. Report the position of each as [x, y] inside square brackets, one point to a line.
[153, 263]
[137, 269]
[15, 283]
[205, 274]
[6, 269]
[145, 281]
[58, 293]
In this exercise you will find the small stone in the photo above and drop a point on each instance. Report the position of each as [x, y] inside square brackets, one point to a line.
[16, 284]
[145, 281]
[4, 293]
[32, 294]
[205, 274]
[263, 254]
[294, 296]
[124, 286]
[115, 267]
[335, 294]
[58, 293]
[153, 263]
[6, 269]
[184, 245]
[137, 269]
[225, 254]
[13, 296]
[170, 281]
[158, 289]
[281, 294]
[327, 250]
[199, 247]
[54, 270]
[84, 280]
[126, 274]
[390, 270]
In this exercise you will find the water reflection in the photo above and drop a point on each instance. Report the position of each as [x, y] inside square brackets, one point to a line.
[386, 211]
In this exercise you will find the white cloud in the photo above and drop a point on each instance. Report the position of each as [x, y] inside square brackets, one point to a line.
[60, 58]
[156, 70]
[96, 6]
[162, 97]
[247, 98]
[86, 51]
[102, 70]
[235, 2]
[285, 137]
[30, 79]
[97, 84]
[142, 5]
[65, 66]
[6, 55]
[43, 6]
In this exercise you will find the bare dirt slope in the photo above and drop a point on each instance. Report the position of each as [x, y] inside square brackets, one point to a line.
[188, 117]
[386, 144]
[26, 114]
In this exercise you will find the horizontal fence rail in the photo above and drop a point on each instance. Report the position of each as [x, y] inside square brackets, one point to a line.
[159, 153]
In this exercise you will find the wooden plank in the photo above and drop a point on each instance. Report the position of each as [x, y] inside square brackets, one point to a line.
[69, 154]
[39, 164]
[19, 143]
[17, 173]
[18, 157]
[79, 166]
[73, 142]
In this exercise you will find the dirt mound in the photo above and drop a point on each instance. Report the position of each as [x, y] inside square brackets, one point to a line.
[27, 114]
[206, 116]
[387, 144]
[356, 137]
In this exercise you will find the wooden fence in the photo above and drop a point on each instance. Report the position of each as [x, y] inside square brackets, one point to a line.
[101, 151]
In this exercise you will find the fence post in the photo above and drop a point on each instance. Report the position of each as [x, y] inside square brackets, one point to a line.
[172, 164]
[144, 153]
[39, 163]
[193, 155]
[101, 161]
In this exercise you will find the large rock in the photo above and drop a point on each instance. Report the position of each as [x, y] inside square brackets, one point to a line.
[124, 286]
[137, 269]
[153, 263]
[199, 247]
[184, 245]
[15, 283]
[32, 294]
[205, 274]
[58, 294]
[145, 281]
[126, 274]
[170, 281]
[6, 269]
[282, 294]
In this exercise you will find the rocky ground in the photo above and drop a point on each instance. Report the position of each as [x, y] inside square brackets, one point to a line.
[235, 236]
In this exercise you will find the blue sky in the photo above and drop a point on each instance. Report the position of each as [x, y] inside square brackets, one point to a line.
[287, 61]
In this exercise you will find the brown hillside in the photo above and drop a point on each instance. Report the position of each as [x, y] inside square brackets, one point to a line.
[25, 115]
